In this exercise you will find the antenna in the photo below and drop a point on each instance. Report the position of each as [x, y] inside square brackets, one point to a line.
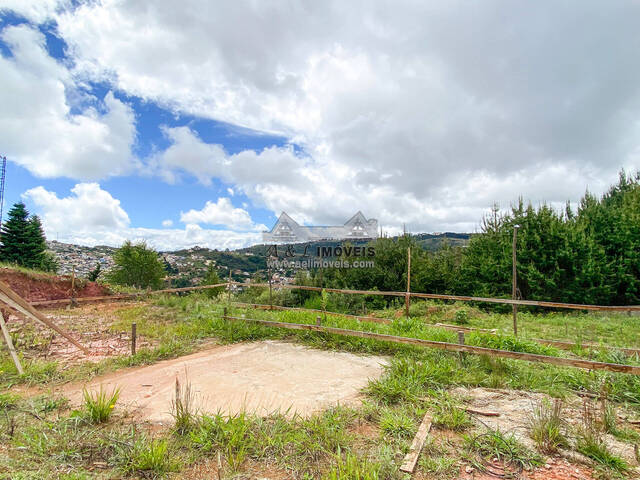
[3, 171]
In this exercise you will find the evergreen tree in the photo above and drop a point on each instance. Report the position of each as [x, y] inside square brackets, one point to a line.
[212, 278]
[23, 241]
[95, 273]
[36, 244]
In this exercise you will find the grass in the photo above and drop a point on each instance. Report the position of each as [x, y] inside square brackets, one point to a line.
[590, 441]
[494, 444]
[350, 467]
[149, 457]
[183, 408]
[324, 445]
[99, 405]
[547, 426]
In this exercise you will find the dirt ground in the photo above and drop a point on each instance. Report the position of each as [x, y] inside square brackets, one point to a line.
[260, 377]
[515, 409]
[35, 287]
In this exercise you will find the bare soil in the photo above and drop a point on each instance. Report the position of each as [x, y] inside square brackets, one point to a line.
[261, 377]
[35, 287]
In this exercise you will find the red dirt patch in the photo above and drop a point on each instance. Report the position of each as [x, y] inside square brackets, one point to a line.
[36, 287]
[554, 469]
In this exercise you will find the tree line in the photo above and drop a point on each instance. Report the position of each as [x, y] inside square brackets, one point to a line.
[587, 254]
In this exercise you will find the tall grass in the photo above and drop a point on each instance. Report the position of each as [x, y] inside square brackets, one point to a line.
[99, 405]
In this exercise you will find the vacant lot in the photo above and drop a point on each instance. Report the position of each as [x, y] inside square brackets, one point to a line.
[553, 422]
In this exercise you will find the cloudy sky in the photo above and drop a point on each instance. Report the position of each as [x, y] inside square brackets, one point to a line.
[198, 122]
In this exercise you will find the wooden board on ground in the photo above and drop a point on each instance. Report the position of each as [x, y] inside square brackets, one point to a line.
[410, 460]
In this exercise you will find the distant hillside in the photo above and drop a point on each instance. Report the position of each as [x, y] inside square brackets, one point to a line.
[187, 266]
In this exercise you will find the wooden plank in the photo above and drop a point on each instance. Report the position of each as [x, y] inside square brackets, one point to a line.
[432, 296]
[12, 350]
[479, 412]
[410, 460]
[15, 301]
[561, 344]
[463, 298]
[454, 347]
[125, 296]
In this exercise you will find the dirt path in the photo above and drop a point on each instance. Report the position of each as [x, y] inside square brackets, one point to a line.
[259, 377]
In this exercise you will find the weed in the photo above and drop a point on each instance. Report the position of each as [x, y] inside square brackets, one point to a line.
[99, 405]
[590, 442]
[351, 467]
[448, 414]
[183, 408]
[8, 400]
[547, 426]
[149, 457]
[461, 317]
[506, 448]
[397, 423]
[230, 434]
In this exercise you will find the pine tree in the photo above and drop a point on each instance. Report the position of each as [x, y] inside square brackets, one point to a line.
[15, 236]
[36, 244]
[212, 278]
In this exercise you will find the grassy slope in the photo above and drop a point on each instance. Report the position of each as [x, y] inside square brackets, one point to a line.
[38, 440]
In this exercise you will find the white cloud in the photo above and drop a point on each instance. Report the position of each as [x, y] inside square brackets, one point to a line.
[87, 209]
[418, 113]
[37, 11]
[223, 213]
[37, 127]
[91, 216]
[167, 223]
[230, 191]
[397, 105]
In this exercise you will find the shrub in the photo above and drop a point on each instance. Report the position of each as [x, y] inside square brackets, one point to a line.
[99, 405]
[547, 426]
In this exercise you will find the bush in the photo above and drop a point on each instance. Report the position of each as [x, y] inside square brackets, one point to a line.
[136, 266]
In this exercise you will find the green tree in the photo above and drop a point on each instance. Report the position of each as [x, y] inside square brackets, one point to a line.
[212, 278]
[15, 235]
[24, 242]
[95, 273]
[36, 246]
[136, 265]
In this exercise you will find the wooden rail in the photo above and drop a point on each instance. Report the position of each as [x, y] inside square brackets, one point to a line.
[123, 296]
[432, 296]
[451, 347]
[461, 298]
[561, 344]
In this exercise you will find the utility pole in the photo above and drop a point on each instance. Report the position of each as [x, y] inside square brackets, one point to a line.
[514, 285]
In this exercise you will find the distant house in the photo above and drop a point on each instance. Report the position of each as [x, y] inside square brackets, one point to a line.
[287, 230]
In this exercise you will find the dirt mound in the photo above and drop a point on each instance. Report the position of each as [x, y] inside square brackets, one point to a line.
[35, 287]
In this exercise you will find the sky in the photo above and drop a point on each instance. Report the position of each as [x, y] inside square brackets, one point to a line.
[197, 122]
